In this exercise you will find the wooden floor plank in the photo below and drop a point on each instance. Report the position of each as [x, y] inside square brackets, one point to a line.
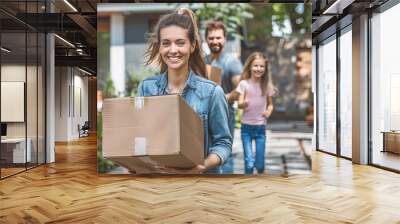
[70, 191]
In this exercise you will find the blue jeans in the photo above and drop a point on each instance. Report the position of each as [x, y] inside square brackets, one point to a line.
[248, 134]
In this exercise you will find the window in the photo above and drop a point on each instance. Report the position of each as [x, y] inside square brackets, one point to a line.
[385, 84]
[327, 95]
[346, 93]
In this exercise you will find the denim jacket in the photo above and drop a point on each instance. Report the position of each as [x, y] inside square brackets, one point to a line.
[208, 100]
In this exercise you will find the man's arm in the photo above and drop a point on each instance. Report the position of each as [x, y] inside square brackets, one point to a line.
[242, 104]
[235, 71]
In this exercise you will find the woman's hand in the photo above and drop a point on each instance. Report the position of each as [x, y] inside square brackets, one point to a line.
[211, 161]
[198, 169]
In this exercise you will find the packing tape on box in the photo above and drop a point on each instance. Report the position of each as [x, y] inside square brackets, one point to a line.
[139, 102]
[140, 146]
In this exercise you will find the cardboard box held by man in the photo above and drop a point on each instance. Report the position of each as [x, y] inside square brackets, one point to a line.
[214, 74]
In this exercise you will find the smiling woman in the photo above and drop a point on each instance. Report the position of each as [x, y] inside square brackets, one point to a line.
[175, 50]
[184, 19]
[175, 45]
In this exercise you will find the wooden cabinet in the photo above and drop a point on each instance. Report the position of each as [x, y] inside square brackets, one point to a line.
[391, 142]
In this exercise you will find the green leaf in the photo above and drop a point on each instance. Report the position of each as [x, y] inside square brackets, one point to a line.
[246, 15]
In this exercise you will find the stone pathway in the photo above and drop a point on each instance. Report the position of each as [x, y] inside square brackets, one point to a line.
[283, 154]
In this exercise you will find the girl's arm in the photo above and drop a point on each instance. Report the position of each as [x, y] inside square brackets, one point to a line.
[270, 107]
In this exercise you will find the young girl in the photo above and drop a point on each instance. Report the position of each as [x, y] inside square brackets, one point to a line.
[256, 91]
[175, 46]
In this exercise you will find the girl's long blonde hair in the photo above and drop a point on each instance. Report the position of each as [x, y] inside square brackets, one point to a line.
[266, 84]
[185, 19]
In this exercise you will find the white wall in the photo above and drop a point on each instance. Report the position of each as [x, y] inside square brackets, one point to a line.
[62, 81]
[80, 100]
[71, 93]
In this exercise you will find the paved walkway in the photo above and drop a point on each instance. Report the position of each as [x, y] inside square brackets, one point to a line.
[283, 153]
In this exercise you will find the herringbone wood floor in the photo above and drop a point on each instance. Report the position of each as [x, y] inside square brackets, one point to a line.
[70, 191]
